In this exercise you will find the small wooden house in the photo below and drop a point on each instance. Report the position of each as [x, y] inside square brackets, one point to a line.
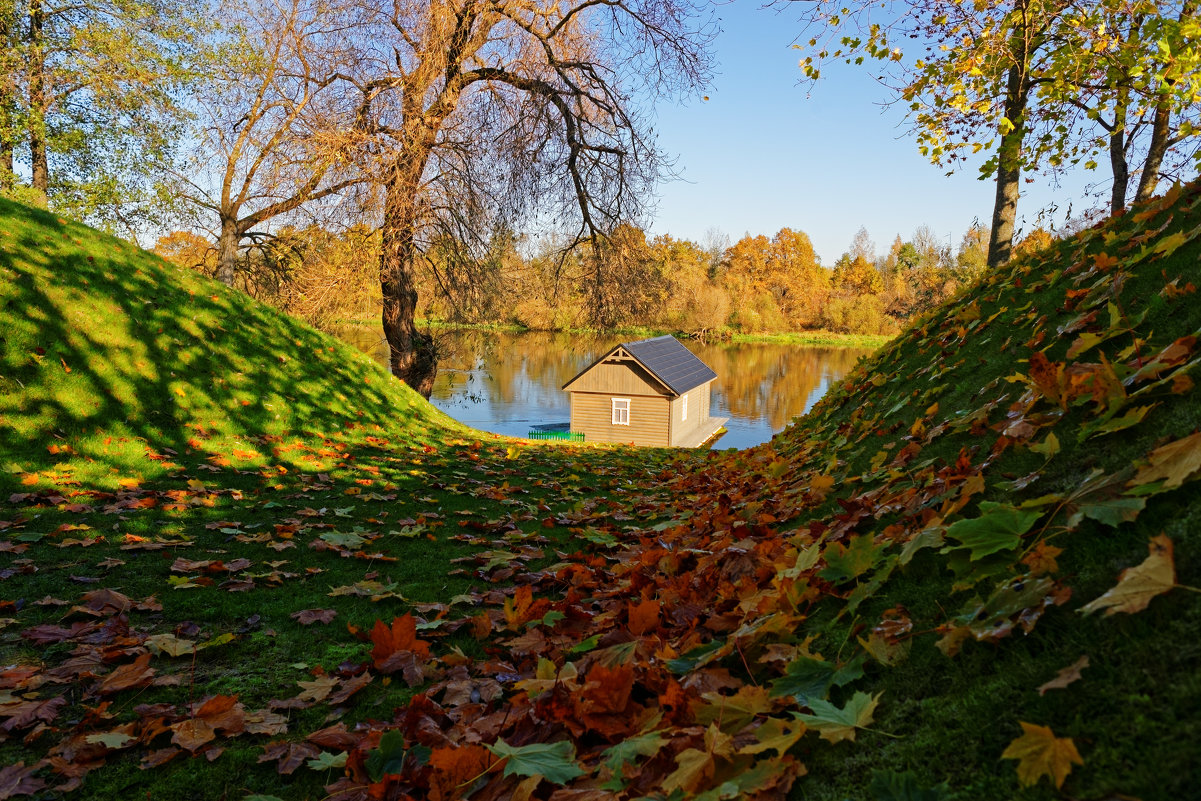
[651, 392]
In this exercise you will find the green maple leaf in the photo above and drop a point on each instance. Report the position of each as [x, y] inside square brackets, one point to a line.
[343, 539]
[836, 724]
[111, 740]
[326, 760]
[807, 679]
[999, 528]
[627, 750]
[554, 762]
[388, 758]
[844, 563]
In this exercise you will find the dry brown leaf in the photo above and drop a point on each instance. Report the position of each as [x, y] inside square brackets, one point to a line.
[192, 733]
[348, 688]
[136, 674]
[19, 780]
[264, 721]
[290, 756]
[1139, 584]
[307, 617]
[1069, 674]
[1175, 463]
[318, 689]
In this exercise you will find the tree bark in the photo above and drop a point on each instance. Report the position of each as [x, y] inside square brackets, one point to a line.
[1117, 155]
[1161, 131]
[227, 250]
[1009, 167]
[39, 161]
[411, 353]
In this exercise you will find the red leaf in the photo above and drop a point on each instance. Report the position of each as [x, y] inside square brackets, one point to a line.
[27, 713]
[402, 636]
[18, 780]
[644, 617]
[290, 756]
[136, 674]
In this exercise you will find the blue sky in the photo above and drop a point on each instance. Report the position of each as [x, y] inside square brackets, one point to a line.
[766, 152]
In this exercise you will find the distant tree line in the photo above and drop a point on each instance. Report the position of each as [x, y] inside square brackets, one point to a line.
[758, 284]
[430, 134]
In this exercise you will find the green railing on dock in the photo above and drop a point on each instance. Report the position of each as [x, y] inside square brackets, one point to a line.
[564, 436]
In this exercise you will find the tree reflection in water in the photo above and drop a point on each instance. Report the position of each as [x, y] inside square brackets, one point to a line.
[507, 382]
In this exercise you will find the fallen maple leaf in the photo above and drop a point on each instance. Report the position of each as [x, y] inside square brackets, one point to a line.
[401, 636]
[318, 689]
[22, 714]
[136, 674]
[290, 756]
[457, 766]
[834, 724]
[644, 617]
[1065, 677]
[192, 733]
[555, 762]
[1139, 584]
[349, 688]
[776, 733]
[307, 617]
[19, 780]
[1040, 753]
[1175, 462]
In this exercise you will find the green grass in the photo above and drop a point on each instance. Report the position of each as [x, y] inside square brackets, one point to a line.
[819, 338]
[148, 415]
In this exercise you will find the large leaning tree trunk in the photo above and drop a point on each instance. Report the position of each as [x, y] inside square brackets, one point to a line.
[411, 356]
[478, 111]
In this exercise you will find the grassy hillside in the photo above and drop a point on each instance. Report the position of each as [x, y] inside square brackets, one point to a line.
[874, 606]
[108, 350]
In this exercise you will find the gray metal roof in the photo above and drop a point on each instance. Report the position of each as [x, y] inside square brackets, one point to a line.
[670, 362]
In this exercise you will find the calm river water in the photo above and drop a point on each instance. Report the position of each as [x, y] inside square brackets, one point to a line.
[508, 382]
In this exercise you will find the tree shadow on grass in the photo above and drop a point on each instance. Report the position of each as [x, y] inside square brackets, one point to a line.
[108, 353]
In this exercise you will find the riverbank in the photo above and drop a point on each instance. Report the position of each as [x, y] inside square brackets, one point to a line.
[807, 338]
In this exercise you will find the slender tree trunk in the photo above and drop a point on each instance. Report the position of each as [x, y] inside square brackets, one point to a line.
[1117, 154]
[227, 250]
[1161, 131]
[1161, 127]
[39, 162]
[411, 356]
[1009, 167]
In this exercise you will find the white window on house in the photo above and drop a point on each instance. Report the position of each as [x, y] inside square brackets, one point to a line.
[684, 408]
[621, 411]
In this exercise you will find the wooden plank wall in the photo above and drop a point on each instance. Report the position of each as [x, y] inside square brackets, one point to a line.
[620, 380]
[592, 413]
[698, 412]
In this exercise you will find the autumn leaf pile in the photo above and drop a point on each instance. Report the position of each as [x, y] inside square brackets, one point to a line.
[970, 572]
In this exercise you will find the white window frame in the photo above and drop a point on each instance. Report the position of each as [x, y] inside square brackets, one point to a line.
[684, 409]
[621, 411]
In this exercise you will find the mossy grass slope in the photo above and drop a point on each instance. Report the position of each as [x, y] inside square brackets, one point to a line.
[108, 349]
[1048, 389]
